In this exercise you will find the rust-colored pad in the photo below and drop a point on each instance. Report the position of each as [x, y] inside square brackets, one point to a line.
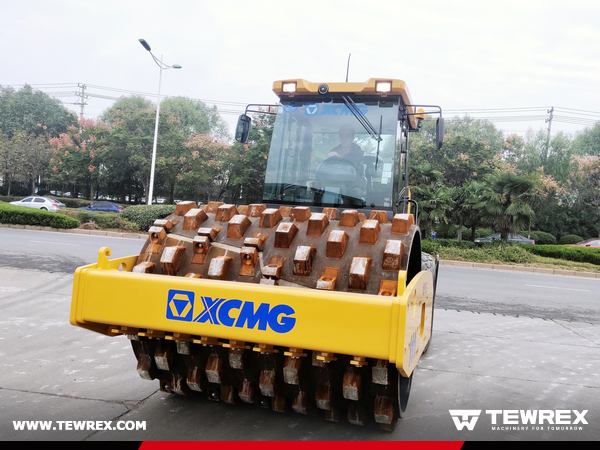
[401, 223]
[243, 209]
[380, 372]
[164, 223]
[383, 410]
[163, 357]
[300, 403]
[369, 231]
[194, 379]
[300, 214]
[256, 209]
[336, 243]
[274, 268]
[170, 259]
[331, 213]
[388, 288]
[193, 275]
[269, 218]
[257, 241]
[328, 279]
[237, 226]
[303, 259]
[144, 267]
[380, 216]
[356, 414]
[219, 267]
[266, 382]
[184, 207]
[348, 218]
[225, 213]
[212, 207]
[227, 394]
[246, 391]
[359, 272]
[201, 249]
[249, 257]
[157, 237]
[317, 224]
[285, 211]
[392, 255]
[291, 370]
[324, 396]
[352, 384]
[361, 217]
[210, 233]
[193, 219]
[284, 235]
[214, 368]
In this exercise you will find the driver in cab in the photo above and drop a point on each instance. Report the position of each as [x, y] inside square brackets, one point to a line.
[347, 148]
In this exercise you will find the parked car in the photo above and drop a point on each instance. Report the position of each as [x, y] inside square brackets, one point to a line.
[594, 242]
[511, 238]
[103, 206]
[35, 201]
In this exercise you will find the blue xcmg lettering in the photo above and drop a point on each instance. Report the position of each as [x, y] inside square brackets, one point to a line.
[220, 311]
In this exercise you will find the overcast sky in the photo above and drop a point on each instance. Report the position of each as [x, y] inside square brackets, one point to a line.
[461, 55]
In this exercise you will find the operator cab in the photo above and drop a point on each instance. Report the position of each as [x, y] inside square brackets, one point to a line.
[337, 145]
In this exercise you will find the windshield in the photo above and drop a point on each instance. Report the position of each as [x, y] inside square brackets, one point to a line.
[322, 155]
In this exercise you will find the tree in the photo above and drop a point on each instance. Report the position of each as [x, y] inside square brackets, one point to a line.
[505, 204]
[77, 156]
[435, 204]
[195, 117]
[27, 110]
[586, 181]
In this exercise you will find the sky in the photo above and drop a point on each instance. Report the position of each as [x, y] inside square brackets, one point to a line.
[506, 60]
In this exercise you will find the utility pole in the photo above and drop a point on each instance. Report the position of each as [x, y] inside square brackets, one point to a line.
[549, 122]
[83, 97]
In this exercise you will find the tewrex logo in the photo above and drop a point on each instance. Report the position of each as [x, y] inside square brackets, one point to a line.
[520, 419]
[184, 306]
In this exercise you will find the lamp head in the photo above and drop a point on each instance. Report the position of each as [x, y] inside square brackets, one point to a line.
[145, 44]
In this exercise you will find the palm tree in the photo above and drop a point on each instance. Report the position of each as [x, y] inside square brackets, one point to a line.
[435, 205]
[505, 204]
[467, 210]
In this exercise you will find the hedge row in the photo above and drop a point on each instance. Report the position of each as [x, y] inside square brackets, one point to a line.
[577, 254]
[145, 215]
[102, 219]
[21, 215]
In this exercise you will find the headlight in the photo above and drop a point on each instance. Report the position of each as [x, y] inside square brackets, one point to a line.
[383, 86]
[289, 87]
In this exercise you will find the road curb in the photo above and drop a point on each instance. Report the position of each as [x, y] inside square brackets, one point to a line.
[515, 268]
[76, 231]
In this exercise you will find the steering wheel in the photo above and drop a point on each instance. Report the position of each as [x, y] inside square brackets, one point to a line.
[338, 169]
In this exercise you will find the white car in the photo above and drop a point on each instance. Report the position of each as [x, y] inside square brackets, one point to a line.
[43, 203]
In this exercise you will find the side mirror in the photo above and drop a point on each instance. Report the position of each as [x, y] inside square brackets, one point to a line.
[242, 129]
[439, 133]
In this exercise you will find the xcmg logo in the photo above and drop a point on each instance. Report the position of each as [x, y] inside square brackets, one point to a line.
[183, 306]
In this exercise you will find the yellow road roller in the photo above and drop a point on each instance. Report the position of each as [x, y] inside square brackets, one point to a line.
[317, 300]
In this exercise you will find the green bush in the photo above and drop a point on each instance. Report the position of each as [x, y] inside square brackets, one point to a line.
[577, 254]
[102, 219]
[543, 238]
[145, 215]
[570, 239]
[21, 215]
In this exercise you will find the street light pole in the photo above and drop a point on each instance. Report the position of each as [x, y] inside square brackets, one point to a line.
[161, 66]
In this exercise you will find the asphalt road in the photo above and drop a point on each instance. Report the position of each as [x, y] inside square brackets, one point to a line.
[58, 252]
[501, 341]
